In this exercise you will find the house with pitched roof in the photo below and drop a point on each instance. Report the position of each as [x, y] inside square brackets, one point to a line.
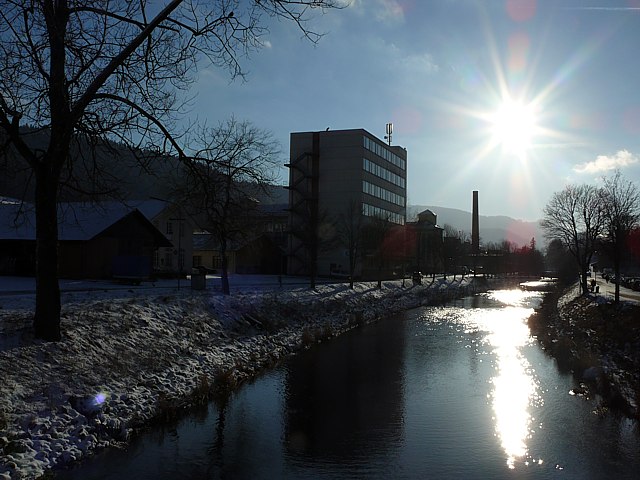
[96, 240]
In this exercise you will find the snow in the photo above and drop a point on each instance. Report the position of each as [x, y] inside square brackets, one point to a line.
[127, 353]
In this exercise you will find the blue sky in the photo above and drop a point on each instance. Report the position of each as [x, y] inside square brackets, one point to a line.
[440, 70]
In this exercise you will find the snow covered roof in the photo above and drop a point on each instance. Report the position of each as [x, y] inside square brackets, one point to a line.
[150, 208]
[76, 220]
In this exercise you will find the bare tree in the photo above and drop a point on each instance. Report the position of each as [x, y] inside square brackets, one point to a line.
[575, 216]
[350, 235]
[453, 250]
[377, 231]
[233, 162]
[558, 260]
[110, 70]
[621, 202]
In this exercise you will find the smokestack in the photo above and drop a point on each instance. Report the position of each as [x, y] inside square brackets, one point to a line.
[475, 227]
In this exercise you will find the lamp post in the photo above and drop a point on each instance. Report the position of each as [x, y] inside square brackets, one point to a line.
[180, 253]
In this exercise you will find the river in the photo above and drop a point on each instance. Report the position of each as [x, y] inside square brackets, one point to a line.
[460, 391]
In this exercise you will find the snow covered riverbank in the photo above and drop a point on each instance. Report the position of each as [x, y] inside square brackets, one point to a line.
[596, 340]
[123, 362]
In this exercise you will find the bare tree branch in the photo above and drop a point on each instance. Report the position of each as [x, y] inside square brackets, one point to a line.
[86, 72]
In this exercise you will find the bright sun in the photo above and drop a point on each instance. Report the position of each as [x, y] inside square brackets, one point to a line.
[513, 126]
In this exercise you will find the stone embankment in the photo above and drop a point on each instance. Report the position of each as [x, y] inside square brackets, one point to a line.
[598, 341]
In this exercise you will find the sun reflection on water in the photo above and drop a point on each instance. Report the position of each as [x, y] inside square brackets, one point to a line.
[515, 388]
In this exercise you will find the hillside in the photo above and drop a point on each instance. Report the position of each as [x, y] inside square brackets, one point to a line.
[492, 228]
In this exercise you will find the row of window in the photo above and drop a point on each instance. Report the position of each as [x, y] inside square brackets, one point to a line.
[382, 193]
[382, 172]
[383, 152]
[371, 211]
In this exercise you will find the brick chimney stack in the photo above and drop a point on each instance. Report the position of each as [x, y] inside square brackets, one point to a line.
[475, 226]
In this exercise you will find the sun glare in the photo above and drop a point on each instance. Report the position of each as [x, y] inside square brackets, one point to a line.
[513, 126]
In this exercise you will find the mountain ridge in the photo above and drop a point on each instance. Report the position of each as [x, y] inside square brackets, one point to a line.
[493, 228]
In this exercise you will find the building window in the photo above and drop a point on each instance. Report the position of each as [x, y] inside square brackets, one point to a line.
[169, 228]
[372, 211]
[382, 193]
[197, 260]
[381, 172]
[384, 152]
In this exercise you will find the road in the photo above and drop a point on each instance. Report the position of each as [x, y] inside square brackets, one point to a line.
[607, 289]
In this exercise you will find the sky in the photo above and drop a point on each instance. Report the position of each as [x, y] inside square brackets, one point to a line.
[513, 98]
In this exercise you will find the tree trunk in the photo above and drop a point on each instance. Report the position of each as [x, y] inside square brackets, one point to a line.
[616, 270]
[583, 282]
[352, 268]
[46, 322]
[224, 278]
[314, 266]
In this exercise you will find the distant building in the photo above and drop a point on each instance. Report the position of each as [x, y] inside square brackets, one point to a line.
[261, 250]
[333, 173]
[425, 243]
[177, 227]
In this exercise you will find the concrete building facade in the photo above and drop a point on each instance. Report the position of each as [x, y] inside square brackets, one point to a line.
[336, 175]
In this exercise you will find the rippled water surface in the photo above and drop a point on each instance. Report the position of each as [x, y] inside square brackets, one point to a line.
[460, 391]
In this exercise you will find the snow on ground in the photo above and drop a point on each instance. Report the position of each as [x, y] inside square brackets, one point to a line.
[128, 354]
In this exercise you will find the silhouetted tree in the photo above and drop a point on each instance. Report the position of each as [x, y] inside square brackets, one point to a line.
[575, 216]
[621, 202]
[350, 235]
[528, 259]
[377, 230]
[560, 262]
[230, 164]
[110, 70]
[454, 250]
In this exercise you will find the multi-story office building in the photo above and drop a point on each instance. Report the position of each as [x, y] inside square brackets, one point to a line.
[338, 174]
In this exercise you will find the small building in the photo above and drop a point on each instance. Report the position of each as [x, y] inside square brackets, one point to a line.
[425, 243]
[177, 227]
[96, 240]
[257, 255]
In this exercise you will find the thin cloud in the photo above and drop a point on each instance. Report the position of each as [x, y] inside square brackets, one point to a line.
[604, 163]
[385, 11]
[420, 63]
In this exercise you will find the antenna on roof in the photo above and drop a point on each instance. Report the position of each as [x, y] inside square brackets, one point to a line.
[389, 131]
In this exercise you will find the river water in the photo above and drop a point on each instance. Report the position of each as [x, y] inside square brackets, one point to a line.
[461, 391]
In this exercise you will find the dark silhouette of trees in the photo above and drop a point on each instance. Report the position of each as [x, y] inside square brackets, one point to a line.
[528, 260]
[110, 70]
[230, 165]
[350, 235]
[455, 249]
[377, 230]
[621, 203]
[575, 216]
[559, 262]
